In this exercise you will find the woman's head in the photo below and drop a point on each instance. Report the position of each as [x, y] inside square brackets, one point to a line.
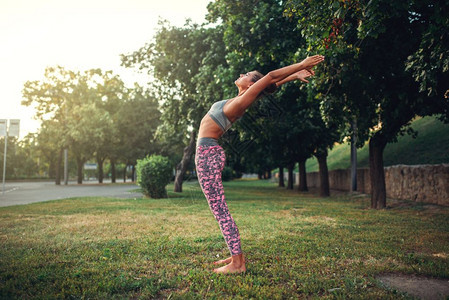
[248, 79]
[270, 89]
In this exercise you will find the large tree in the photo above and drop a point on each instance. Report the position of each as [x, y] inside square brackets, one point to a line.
[48, 148]
[284, 125]
[137, 121]
[184, 61]
[367, 45]
[52, 98]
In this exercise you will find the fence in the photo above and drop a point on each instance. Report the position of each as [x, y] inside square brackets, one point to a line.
[420, 183]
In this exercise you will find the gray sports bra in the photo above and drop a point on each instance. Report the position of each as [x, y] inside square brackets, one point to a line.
[217, 114]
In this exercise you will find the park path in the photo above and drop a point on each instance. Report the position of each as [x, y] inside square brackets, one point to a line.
[19, 193]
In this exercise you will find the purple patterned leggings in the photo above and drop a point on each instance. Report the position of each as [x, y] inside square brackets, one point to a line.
[210, 161]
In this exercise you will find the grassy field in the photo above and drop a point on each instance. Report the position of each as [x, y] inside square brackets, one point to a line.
[297, 246]
[430, 147]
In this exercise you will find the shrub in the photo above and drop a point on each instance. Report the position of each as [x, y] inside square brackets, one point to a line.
[153, 175]
[236, 174]
[226, 174]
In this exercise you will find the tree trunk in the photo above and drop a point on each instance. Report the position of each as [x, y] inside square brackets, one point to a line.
[100, 171]
[376, 169]
[113, 173]
[302, 176]
[51, 167]
[354, 157]
[124, 172]
[181, 168]
[281, 177]
[133, 173]
[324, 174]
[79, 163]
[58, 168]
[290, 176]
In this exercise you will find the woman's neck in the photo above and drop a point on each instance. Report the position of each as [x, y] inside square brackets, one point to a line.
[241, 91]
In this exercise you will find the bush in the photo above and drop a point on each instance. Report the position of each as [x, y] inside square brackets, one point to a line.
[236, 174]
[226, 174]
[153, 175]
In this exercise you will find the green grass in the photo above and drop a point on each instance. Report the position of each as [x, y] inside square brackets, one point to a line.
[430, 147]
[296, 245]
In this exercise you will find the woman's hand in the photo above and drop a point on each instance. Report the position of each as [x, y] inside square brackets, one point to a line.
[303, 74]
[312, 61]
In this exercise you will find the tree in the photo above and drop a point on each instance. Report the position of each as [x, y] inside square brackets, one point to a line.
[183, 60]
[52, 98]
[48, 148]
[285, 125]
[110, 95]
[370, 43]
[326, 132]
[88, 125]
[27, 165]
[429, 64]
[136, 120]
[19, 161]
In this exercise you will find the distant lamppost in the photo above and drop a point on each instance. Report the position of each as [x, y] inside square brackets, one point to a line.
[14, 129]
[66, 152]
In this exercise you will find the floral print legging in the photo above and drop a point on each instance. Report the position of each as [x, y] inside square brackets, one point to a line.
[209, 162]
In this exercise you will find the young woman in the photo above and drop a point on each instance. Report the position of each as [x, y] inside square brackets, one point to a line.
[210, 157]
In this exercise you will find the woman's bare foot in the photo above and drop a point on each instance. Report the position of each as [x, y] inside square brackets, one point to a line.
[237, 265]
[223, 261]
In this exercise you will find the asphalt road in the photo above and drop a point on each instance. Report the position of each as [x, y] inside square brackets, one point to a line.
[18, 193]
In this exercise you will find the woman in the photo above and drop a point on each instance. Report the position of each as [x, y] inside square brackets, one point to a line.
[210, 157]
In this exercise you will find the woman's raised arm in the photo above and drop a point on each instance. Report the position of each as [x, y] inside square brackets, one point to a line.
[273, 77]
[301, 75]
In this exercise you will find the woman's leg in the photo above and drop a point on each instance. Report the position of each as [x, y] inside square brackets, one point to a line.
[209, 163]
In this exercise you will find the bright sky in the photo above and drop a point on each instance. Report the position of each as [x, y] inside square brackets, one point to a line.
[78, 35]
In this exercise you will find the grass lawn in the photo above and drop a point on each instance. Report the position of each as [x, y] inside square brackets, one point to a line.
[297, 246]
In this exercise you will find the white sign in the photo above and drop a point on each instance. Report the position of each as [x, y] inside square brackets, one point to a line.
[3, 123]
[14, 127]
[90, 166]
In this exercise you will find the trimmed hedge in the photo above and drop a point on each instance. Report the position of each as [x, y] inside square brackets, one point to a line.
[226, 174]
[153, 175]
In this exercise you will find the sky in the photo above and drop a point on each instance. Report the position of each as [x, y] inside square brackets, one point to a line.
[77, 35]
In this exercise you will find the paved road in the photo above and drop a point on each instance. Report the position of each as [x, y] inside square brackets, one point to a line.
[17, 193]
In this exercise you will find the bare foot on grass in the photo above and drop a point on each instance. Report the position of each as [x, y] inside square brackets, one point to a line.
[231, 268]
[223, 261]
[236, 265]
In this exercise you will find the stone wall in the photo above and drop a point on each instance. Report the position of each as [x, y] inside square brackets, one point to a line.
[421, 183]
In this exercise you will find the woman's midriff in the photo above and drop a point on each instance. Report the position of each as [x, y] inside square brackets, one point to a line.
[208, 128]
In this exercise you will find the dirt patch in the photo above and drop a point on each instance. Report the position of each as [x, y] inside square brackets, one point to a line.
[418, 286]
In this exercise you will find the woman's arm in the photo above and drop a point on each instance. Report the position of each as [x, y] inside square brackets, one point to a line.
[308, 63]
[276, 76]
[301, 75]
[241, 103]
